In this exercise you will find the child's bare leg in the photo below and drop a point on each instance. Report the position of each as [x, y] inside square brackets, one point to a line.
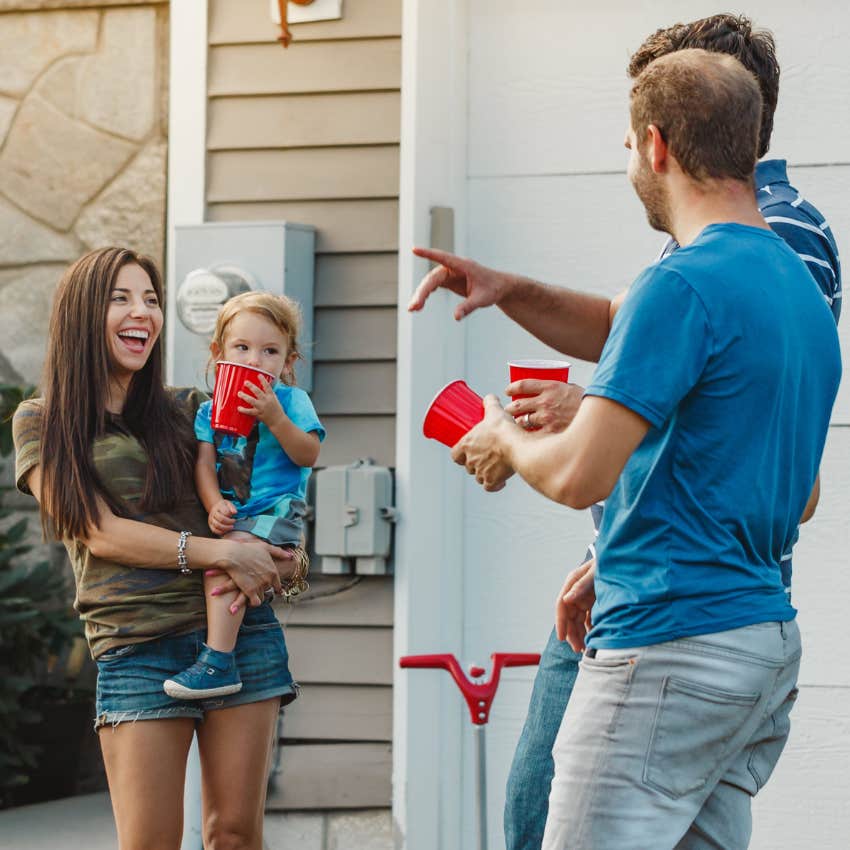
[222, 625]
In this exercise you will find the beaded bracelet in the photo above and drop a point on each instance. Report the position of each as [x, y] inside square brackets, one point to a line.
[182, 560]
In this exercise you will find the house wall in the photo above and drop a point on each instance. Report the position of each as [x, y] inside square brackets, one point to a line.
[546, 195]
[311, 134]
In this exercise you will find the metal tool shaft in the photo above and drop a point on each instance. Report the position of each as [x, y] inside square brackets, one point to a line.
[481, 785]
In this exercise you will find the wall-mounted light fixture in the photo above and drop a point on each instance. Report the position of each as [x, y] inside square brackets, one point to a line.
[284, 13]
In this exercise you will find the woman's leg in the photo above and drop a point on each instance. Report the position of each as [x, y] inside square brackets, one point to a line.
[146, 765]
[236, 745]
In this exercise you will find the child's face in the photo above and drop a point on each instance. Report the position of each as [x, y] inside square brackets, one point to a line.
[253, 340]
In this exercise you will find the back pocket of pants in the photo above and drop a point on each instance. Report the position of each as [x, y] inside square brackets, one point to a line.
[690, 735]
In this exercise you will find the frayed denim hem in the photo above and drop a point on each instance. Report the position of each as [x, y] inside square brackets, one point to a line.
[114, 718]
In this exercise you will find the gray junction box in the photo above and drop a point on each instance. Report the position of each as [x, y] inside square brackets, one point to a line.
[354, 518]
[216, 260]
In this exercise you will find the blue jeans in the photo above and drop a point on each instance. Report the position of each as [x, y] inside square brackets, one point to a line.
[527, 799]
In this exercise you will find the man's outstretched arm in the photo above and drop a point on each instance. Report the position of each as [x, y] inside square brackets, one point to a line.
[576, 467]
[575, 323]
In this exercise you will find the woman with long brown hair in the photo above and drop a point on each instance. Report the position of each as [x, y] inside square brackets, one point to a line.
[109, 454]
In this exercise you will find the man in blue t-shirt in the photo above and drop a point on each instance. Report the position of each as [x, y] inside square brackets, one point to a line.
[693, 656]
[578, 315]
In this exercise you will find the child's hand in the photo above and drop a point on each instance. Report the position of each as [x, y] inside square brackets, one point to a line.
[222, 517]
[260, 401]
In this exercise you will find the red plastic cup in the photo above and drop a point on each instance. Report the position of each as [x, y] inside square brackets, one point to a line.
[229, 380]
[541, 370]
[455, 409]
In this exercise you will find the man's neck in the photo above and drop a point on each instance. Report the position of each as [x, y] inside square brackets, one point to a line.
[694, 206]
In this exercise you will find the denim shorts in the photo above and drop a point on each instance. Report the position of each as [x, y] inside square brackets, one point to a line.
[130, 678]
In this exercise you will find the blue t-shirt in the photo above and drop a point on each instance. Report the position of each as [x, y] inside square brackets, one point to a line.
[254, 472]
[809, 235]
[719, 347]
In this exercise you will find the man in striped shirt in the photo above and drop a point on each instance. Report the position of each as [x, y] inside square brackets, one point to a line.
[578, 325]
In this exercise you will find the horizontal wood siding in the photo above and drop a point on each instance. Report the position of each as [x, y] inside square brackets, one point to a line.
[348, 280]
[303, 174]
[356, 655]
[372, 64]
[342, 226]
[311, 135]
[355, 387]
[374, 437]
[363, 333]
[249, 22]
[332, 776]
[311, 120]
[340, 713]
[341, 601]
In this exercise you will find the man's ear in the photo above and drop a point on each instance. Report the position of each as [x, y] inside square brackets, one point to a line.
[656, 149]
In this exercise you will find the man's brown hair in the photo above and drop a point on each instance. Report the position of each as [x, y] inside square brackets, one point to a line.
[706, 106]
[730, 34]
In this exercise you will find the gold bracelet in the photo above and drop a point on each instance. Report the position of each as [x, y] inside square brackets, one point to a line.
[298, 584]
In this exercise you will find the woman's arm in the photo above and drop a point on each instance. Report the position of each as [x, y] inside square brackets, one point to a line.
[140, 544]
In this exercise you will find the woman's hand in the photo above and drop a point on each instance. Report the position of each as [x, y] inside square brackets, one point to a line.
[283, 560]
[551, 407]
[261, 401]
[222, 517]
[253, 570]
[572, 609]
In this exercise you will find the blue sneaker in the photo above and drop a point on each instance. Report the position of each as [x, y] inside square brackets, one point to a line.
[213, 674]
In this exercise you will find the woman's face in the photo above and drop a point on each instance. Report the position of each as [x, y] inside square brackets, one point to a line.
[133, 321]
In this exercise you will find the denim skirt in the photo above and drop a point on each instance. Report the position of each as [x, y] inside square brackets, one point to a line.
[130, 678]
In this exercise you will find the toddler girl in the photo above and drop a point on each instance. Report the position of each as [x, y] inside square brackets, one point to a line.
[252, 487]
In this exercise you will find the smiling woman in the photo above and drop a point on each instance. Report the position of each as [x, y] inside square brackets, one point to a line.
[109, 453]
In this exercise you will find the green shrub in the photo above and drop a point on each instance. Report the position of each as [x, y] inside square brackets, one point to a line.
[36, 625]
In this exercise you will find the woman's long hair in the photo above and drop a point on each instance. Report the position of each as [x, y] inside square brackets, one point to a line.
[76, 390]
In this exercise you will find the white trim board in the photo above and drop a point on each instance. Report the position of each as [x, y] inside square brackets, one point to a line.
[187, 131]
[428, 713]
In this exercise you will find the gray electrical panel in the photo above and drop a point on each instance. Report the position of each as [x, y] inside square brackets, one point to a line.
[216, 260]
[354, 518]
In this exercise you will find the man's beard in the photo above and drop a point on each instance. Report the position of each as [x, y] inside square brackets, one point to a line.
[653, 196]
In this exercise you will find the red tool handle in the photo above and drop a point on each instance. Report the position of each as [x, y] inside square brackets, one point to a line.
[479, 697]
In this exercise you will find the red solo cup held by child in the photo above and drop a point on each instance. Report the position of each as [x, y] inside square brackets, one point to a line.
[539, 370]
[454, 411]
[229, 382]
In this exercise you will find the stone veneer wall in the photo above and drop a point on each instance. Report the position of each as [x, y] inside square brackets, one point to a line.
[83, 128]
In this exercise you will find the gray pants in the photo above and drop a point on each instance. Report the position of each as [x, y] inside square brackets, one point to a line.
[663, 746]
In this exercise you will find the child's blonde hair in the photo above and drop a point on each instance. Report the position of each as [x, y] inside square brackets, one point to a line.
[282, 312]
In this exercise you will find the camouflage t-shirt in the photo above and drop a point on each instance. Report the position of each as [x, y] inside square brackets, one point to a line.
[118, 604]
